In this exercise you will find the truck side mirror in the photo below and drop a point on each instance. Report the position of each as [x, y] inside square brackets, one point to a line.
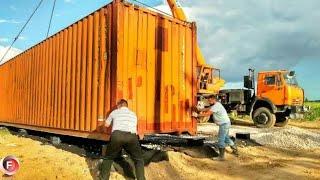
[292, 73]
[248, 82]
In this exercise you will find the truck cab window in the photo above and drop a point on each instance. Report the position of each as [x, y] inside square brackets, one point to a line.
[270, 80]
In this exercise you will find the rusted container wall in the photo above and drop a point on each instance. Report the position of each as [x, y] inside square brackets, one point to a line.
[62, 84]
[155, 69]
[70, 81]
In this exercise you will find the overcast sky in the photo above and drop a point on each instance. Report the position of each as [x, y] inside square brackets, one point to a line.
[233, 35]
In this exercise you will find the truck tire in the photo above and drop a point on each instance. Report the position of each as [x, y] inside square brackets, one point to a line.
[281, 120]
[263, 118]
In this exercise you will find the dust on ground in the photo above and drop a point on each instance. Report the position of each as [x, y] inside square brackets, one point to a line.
[44, 161]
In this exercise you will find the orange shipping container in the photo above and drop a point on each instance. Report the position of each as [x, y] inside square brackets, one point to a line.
[69, 82]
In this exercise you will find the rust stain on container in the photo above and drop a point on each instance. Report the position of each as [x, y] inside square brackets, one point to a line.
[102, 67]
[94, 115]
[70, 81]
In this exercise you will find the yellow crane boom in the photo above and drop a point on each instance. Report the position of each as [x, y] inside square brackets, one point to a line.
[178, 13]
[213, 86]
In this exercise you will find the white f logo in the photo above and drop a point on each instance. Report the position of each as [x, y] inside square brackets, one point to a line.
[9, 164]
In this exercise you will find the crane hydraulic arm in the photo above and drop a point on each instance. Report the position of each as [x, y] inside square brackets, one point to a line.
[178, 13]
[206, 86]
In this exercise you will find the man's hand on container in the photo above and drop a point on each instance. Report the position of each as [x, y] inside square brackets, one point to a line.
[107, 123]
[195, 114]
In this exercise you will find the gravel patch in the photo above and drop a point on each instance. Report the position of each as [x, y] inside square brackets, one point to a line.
[289, 138]
[286, 138]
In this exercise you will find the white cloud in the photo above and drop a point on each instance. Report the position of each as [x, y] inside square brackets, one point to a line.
[22, 38]
[13, 8]
[12, 53]
[265, 35]
[67, 1]
[4, 39]
[10, 21]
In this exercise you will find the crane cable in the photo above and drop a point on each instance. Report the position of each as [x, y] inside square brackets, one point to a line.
[54, 4]
[15, 39]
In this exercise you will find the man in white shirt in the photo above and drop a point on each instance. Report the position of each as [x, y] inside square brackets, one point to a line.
[124, 136]
[222, 119]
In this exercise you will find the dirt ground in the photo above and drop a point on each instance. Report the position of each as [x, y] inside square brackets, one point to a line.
[306, 124]
[43, 161]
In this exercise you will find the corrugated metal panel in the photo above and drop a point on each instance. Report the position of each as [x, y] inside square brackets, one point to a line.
[155, 69]
[70, 80]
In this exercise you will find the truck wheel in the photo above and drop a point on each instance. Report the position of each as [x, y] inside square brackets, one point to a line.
[263, 118]
[281, 120]
[204, 119]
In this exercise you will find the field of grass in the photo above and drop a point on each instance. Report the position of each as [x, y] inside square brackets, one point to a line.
[314, 113]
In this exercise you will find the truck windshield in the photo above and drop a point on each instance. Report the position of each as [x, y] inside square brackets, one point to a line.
[291, 80]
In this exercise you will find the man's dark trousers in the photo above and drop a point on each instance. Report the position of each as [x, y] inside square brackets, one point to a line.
[130, 143]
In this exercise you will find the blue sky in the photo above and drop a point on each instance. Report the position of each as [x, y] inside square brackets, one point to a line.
[234, 35]
[14, 13]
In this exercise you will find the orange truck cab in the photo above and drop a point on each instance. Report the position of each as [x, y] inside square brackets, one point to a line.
[280, 87]
[277, 100]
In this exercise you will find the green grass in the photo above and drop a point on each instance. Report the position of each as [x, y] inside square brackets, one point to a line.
[314, 113]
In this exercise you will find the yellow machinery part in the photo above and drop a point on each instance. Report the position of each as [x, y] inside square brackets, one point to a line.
[178, 13]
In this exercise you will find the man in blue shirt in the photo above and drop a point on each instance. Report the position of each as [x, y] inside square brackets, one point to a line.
[222, 119]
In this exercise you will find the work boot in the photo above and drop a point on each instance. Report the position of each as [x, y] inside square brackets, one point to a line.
[235, 150]
[221, 155]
